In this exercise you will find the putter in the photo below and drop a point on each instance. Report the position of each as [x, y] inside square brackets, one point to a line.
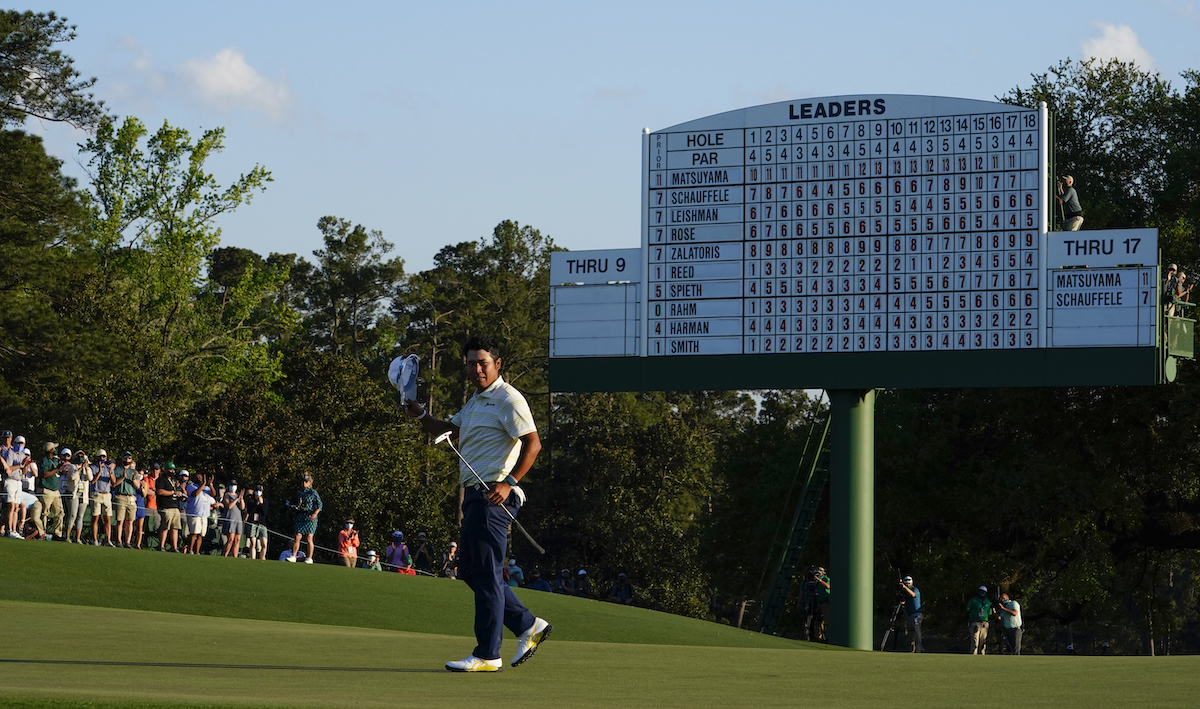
[445, 437]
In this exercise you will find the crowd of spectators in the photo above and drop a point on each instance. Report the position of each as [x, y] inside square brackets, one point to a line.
[69, 496]
[571, 584]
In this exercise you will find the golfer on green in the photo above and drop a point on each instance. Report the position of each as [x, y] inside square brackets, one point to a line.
[497, 435]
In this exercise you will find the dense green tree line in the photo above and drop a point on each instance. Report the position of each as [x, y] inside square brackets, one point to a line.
[125, 323]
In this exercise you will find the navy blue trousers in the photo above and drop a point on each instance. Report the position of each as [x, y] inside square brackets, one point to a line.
[481, 558]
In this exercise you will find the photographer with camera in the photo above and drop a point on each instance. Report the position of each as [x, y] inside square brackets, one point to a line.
[1010, 613]
[256, 515]
[201, 496]
[423, 556]
[46, 487]
[1069, 199]
[75, 483]
[102, 475]
[124, 492]
[233, 504]
[911, 597]
[814, 603]
[169, 491]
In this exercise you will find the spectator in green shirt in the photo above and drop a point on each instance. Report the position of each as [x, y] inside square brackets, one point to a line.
[979, 610]
[47, 489]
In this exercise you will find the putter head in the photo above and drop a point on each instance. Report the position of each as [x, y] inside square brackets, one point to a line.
[442, 438]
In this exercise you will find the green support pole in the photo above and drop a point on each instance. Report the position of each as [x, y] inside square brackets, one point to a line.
[852, 517]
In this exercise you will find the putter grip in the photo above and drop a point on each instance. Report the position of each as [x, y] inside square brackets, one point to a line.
[537, 546]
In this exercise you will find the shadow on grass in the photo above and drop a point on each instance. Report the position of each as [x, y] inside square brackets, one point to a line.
[214, 666]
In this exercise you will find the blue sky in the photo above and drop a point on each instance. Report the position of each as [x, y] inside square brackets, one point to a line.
[432, 123]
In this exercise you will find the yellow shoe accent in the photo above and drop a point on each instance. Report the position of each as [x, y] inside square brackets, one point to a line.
[470, 663]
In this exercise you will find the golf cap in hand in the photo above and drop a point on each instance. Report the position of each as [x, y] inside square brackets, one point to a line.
[403, 375]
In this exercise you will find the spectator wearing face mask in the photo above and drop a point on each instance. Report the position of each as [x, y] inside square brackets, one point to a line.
[11, 458]
[233, 503]
[348, 543]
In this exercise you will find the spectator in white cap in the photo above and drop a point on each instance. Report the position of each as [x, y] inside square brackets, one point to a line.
[372, 561]
[11, 458]
[583, 585]
[912, 610]
[30, 479]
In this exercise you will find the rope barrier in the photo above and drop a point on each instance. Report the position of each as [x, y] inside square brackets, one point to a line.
[221, 519]
[338, 554]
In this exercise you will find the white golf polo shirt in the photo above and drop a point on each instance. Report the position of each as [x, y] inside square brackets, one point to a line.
[490, 427]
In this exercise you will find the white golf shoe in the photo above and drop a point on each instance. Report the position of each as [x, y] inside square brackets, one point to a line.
[470, 663]
[528, 643]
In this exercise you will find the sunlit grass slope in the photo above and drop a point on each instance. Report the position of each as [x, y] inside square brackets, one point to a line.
[330, 595]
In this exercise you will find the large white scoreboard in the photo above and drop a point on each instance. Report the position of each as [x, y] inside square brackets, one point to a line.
[900, 228]
[848, 224]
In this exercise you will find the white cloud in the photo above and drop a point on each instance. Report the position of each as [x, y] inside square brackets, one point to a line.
[1118, 42]
[226, 81]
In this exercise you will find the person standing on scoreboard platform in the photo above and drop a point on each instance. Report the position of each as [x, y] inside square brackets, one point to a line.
[1069, 199]
[498, 437]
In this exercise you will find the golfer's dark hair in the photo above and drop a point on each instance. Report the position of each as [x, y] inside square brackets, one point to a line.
[482, 342]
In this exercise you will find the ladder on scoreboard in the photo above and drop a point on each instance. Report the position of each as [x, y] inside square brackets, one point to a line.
[815, 477]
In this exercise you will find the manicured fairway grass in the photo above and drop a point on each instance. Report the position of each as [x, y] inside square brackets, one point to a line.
[212, 649]
[332, 595]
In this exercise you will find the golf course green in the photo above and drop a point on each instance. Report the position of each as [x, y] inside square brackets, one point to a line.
[99, 627]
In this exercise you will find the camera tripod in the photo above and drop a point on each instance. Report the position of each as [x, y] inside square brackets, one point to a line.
[892, 629]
